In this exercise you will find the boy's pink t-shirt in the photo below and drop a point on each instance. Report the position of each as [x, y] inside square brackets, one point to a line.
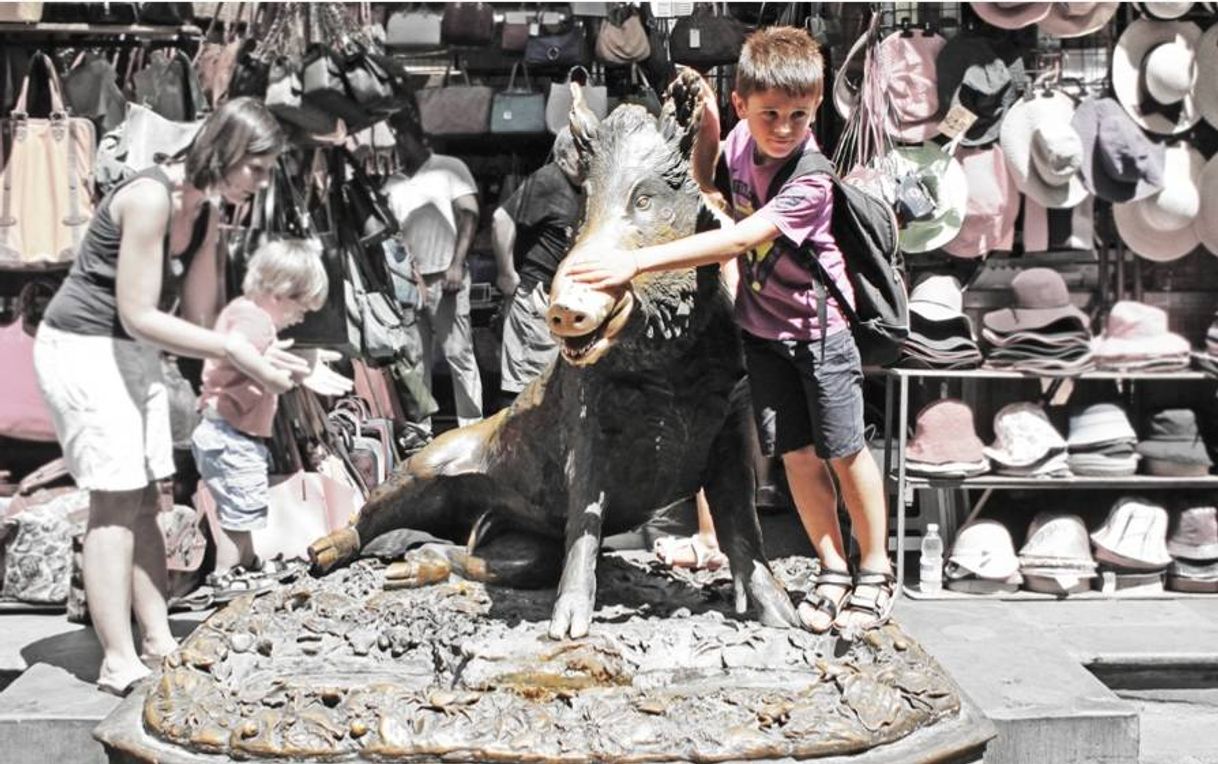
[239, 400]
[776, 298]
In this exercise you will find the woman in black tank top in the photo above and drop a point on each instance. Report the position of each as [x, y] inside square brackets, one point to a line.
[112, 305]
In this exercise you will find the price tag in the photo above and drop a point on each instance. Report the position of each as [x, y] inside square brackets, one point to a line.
[507, 115]
[534, 28]
[695, 38]
[957, 121]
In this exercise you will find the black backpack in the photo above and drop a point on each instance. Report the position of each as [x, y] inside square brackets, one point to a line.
[866, 232]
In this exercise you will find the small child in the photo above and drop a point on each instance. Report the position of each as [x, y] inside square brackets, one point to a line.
[284, 280]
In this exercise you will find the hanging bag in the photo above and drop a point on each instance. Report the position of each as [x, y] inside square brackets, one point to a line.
[413, 29]
[455, 109]
[170, 86]
[468, 24]
[46, 180]
[622, 38]
[706, 38]
[23, 412]
[518, 109]
[91, 90]
[558, 104]
[143, 139]
[559, 49]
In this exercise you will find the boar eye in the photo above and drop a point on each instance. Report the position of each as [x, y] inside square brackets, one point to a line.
[643, 202]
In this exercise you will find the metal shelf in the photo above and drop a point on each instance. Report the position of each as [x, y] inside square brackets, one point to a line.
[1168, 376]
[1003, 481]
[142, 31]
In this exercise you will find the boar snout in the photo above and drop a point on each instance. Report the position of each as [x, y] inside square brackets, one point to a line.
[586, 320]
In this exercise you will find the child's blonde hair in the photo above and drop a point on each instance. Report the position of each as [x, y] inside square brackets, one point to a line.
[290, 268]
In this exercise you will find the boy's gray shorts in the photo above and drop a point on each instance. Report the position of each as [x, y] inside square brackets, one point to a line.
[807, 392]
[234, 468]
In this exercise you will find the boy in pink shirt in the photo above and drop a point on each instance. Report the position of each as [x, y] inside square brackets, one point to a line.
[805, 378]
[284, 280]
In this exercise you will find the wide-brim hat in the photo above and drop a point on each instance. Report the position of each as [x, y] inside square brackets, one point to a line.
[993, 204]
[1076, 19]
[906, 75]
[945, 181]
[1042, 150]
[1135, 329]
[1164, 11]
[982, 76]
[1207, 67]
[1139, 83]
[848, 80]
[1040, 298]
[1120, 164]
[1011, 15]
[1206, 224]
[1162, 227]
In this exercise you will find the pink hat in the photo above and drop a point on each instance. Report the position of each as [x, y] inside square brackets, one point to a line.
[1011, 15]
[1041, 297]
[907, 78]
[993, 204]
[943, 433]
[1076, 19]
[1138, 330]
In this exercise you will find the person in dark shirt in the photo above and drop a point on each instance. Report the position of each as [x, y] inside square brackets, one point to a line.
[533, 231]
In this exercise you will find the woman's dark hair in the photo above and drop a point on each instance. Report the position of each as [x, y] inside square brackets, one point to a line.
[240, 128]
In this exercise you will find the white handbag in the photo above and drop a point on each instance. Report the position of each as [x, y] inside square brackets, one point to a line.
[558, 104]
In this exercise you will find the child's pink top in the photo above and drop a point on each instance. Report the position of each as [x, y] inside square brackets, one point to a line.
[239, 400]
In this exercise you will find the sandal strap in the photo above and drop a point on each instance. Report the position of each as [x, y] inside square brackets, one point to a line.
[830, 577]
[881, 582]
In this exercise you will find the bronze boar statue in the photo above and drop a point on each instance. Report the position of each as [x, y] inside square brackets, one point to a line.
[646, 404]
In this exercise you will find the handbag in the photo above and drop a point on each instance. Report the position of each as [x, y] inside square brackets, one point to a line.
[514, 35]
[138, 143]
[251, 75]
[706, 38]
[518, 110]
[170, 86]
[46, 169]
[564, 49]
[622, 38]
[166, 14]
[23, 412]
[325, 87]
[216, 61]
[560, 100]
[91, 90]
[455, 109]
[468, 24]
[417, 29]
[20, 13]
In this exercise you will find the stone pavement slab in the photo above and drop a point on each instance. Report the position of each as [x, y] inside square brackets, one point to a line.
[47, 715]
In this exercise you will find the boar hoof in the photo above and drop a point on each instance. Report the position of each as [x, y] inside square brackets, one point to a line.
[571, 617]
[774, 607]
[330, 551]
[418, 570]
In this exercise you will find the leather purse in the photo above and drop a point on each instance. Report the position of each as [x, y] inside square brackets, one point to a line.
[706, 38]
[468, 24]
[46, 172]
[518, 109]
[564, 49]
[139, 142]
[455, 109]
[216, 60]
[560, 100]
[417, 29]
[622, 38]
[23, 412]
[91, 90]
[170, 86]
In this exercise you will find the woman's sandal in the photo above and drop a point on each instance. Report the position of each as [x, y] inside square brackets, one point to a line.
[822, 603]
[675, 552]
[873, 594]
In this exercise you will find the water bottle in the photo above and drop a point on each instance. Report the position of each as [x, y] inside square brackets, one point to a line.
[931, 562]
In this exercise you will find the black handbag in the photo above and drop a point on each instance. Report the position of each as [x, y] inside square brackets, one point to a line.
[468, 24]
[565, 49]
[705, 39]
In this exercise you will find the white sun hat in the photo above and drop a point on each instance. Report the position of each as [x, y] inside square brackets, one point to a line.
[1162, 227]
[1043, 151]
[1155, 74]
[1206, 224]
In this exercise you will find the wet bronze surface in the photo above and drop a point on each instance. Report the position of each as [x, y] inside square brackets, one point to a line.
[341, 668]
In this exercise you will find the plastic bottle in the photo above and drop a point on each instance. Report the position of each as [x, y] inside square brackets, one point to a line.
[931, 562]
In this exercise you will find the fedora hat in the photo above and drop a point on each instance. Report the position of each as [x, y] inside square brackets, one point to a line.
[1042, 150]
[944, 433]
[1137, 330]
[1120, 164]
[1076, 19]
[1040, 298]
[1162, 227]
[1134, 535]
[1164, 11]
[1206, 224]
[973, 74]
[1207, 69]
[945, 183]
[907, 77]
[1154, 74]
[1011, 15]
[1195, 535]
[993, 204]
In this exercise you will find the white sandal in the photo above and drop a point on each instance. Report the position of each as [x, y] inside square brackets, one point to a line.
[706, 557]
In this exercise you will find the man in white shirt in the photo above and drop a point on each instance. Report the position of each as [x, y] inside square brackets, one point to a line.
[435, 201]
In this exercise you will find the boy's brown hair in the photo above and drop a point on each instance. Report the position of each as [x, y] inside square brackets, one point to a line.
[781, 58]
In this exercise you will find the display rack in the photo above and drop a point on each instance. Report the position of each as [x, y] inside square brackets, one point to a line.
[900, 484]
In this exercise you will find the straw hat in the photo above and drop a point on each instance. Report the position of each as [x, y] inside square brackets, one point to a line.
[1207, 69]
[944, 180]
[1042, 149]
[1011, 15]
[1076, 19]
[1164, 11]
[1206, 224]
[1154, 74]
[1161, 226]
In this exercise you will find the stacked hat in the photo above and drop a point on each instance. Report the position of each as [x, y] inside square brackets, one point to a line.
[1026, 444]
[1043, 150]
[1056, 559]
[1120, 163]
[1193, 546]
[1134, 537]
[1167, 225]
[1076, 19]
[1042, 332]
[1136, 338]
[992, 207]
[940, 335]
[1155, 74]
[906, 76]
[1206, 224]
[1207, 66]
[1172, 446]
[927, 169]
[1102, 442]
[982, 560]
[983, 77]
[945, 442]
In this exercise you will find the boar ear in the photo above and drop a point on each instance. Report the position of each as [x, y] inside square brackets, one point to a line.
[685, 102]
[585, 127]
